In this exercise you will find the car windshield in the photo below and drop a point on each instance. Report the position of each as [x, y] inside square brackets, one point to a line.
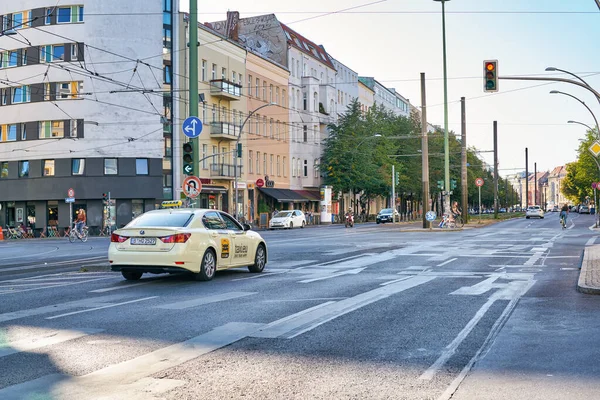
[386, 211]
[174, 219]
[284, 214]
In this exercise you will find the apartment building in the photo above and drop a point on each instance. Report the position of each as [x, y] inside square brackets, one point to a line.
[223, 107]
[346, 85]
[387, 98]
[74, 113]
[366, 97]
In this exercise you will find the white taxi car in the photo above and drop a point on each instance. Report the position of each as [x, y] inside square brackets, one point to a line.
[200, 241]
[288, 219]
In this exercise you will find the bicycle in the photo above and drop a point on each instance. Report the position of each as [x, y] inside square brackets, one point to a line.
[457, 222]
[73, 235]
[563, 221]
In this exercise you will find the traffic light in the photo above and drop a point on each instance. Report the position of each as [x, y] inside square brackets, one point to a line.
[239, 150]
[490, 76]
[452, 184]
[397, 178]
[440, 184]
[105, 198]
[188, 159]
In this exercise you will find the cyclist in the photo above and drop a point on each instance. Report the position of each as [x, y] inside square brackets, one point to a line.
[80, 222]
[455, 211]
[563, 215]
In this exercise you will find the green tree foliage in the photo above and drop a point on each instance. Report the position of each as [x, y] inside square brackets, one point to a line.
[362, 148]
[577, 185]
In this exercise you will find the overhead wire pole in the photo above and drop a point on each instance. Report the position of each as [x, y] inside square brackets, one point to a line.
[424, 152]
[193, 81]
[463, 164]
[495, 169]
[526, 177]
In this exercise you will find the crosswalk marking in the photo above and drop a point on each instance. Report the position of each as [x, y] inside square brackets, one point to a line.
[43, 339]
[182, 305]
[101, 307]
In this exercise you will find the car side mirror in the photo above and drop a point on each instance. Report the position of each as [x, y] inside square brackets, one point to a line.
[247, 227]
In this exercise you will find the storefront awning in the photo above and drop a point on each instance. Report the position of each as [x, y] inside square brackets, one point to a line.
[310, 195]
[284, 195]
[213, 189]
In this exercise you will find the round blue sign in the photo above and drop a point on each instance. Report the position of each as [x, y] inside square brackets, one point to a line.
[430, 216]
[192, 127]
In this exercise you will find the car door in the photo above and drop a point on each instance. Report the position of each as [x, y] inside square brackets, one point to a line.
[297, 218]
[220, 236]
[241, 250]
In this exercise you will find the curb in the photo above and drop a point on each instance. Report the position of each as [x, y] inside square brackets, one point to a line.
[587, 266]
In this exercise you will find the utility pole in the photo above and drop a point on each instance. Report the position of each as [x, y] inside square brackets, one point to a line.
[526, 178]
[535, 183]
[193, 85]
[424, 153]
[393, 194]
[495, 169]
[463, 164]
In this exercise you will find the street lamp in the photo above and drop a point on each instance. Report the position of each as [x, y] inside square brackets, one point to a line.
[582, 102]
[237, 144]
[446, 145]
[581, 123]
[552, 69]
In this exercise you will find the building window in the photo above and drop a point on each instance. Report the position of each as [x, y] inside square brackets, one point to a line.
[48, 19]
[213, 72]
[79, 13]
[293, 167]
[24, 57]
[299, 168]
[316, 102]
[278, 166]
[283, 98]
[52, 129]
[250, 158]
[277, 133]
[258, 162]
[73, 130]
[257, 88]
[264, 97]
[305, 101]
[58, 53]
[141, 166]
[305, 134]
[12, 58]
[204, 65]
[8, 133]
[270, 93]
[214, 113]
[23, 132]
[223, 73]
[48, 168]
[204, 154]
[64, 15]
[23, 169]
[249, 85]
[110, 166]
[167, 74]
[316, 168]
[265, 162]
[283, 166]
[4, 169]
[271, 128]
[77, 166]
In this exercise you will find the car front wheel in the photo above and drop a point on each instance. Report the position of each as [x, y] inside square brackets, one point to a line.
[208, 266]
[260, 259]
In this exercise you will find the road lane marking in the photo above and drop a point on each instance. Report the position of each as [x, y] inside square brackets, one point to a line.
[447, 262]
[7, 290]
[182, 305]
[124, 286]
[126, 379]
[591, 241]
[55, 264]
[334, 275]
[263, 275]
[306, 320]
[48, 338]
[101, 308]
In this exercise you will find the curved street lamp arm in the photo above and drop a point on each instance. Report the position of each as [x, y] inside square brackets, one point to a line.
[572, 74]
[581, 123]
[585, 105]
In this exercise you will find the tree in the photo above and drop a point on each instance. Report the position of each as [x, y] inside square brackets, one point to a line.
[577, 185]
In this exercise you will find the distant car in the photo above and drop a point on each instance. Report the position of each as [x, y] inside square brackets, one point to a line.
[584, 210]
[288, 219]
[555, 209]
[385, 215]
[200, 241]
[534, 211]
[502, 210]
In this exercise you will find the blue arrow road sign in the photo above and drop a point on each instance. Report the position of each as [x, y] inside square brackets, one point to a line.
[192, 127]
[430, 216]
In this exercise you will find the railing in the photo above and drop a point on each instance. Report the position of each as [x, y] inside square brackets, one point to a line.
[225, 170]
[224, 128]
[223, 86]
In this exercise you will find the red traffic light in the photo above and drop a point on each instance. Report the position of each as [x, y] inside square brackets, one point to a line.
[490, 66]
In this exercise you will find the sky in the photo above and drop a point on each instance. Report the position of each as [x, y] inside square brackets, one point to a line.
[396, 40]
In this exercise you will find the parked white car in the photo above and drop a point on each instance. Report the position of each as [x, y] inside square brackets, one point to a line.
[288, 219]
[534, 211]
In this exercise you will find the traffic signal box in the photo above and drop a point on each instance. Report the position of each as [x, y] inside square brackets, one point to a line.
[490, 76]
[188, 158]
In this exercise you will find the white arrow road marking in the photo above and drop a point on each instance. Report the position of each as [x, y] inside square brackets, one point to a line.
[43, 339]
[335, 274]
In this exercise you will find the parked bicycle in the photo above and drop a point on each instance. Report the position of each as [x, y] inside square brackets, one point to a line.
[74, 235]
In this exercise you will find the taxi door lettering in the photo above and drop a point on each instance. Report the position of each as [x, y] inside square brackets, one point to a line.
[224, 248]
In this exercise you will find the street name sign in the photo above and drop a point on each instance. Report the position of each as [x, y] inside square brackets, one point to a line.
[70, 200]
[192, 127]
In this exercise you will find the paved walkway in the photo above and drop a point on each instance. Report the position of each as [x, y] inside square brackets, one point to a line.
[589, 278]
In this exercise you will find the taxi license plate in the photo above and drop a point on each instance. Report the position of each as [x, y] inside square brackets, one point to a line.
[143, 241]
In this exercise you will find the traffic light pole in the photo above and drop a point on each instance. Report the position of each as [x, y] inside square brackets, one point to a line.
[193, 81]
[393, 194]
[424, 153]
[495, 169]
[463, 164]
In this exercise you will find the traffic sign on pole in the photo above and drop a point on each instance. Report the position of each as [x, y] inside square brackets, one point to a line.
[192, 186]
[430, 216]
[260, 183]
[192, 127]
[479, 182]
[71, 192]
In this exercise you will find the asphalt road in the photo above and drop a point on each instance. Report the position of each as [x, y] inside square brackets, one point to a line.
[370, 312]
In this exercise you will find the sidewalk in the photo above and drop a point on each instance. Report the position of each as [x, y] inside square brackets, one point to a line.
[589, 277]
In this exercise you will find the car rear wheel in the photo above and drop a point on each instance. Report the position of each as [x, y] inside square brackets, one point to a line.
[260, 259]
[527, 217]
[131, 275]
[303, 223]
[291, 225]
[208, 266]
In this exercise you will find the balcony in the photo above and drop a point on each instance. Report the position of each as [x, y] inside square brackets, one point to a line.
[224, 171]
[225, 89]
[224, 130]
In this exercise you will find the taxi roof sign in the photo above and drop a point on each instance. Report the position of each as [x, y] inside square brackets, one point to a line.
[171, 204]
